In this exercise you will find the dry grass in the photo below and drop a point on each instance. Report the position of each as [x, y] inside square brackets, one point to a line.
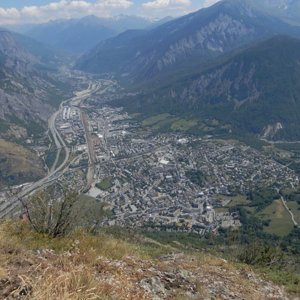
[76, 284]
[87, 267]
[3, 272]
[80, 266]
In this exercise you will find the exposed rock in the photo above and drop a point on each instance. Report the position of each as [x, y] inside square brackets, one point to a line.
[270, 131]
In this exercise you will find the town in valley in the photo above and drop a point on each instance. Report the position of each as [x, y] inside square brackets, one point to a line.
[146, 179]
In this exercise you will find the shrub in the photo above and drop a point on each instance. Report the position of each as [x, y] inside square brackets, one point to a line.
[58, 217]
[261, 254]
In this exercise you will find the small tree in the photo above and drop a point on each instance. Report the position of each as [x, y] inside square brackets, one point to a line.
[58, 217]
[48, 216]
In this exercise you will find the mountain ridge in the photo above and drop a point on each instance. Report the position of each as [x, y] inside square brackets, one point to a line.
[201, 35]
[29, 92]
[79, 35]
[254, 88]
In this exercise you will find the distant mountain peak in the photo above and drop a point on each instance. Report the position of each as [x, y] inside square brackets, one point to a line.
[79, 35]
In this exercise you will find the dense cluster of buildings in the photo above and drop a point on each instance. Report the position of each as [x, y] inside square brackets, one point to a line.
[159, 181]
[151, 176]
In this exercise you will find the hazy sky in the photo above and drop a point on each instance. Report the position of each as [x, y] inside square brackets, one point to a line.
[37, 11]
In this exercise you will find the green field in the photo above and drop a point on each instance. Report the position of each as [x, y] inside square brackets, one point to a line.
[105, 184]
[164, 124]
[155, 119]
[221, 210]
[166, 121]
[238, 200]
[295, 208]
[234, 200]
[280, 220]
[184, 124]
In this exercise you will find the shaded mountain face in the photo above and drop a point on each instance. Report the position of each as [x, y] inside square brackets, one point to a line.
[25, 89]
[25, 106]
[45, 54]
[193, 38]
[29, 91]
[79, 35]
[255, 91]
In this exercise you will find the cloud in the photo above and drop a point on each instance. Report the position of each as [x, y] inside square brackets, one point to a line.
[65, 9]
[163, 8]
[61, 9]
[159, 4]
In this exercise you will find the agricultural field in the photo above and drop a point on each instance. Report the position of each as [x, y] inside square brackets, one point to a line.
[155, 119]
[280, 220]
[184, 125]
[295, 209]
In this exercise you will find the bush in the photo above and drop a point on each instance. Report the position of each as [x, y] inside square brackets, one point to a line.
[261, 254]
[58, 217]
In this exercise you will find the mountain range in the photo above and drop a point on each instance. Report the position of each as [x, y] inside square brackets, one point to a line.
[77, 36]
[181, 43]
[231, 62]
[224, 58]
[228, 72]
[254, 90]
[235, 62]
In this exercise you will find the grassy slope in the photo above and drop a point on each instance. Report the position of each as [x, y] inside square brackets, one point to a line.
[167, 122]
[18, 164]
[103, 266]
[280, 220]
[295, 208]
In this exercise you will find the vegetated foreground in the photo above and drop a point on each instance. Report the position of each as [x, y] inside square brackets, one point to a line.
[103, 266]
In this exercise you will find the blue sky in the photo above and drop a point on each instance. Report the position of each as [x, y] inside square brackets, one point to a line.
[38, 11]
[20, 3]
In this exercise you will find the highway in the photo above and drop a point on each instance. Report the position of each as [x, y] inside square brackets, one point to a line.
[56, 171]
[59, 143]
